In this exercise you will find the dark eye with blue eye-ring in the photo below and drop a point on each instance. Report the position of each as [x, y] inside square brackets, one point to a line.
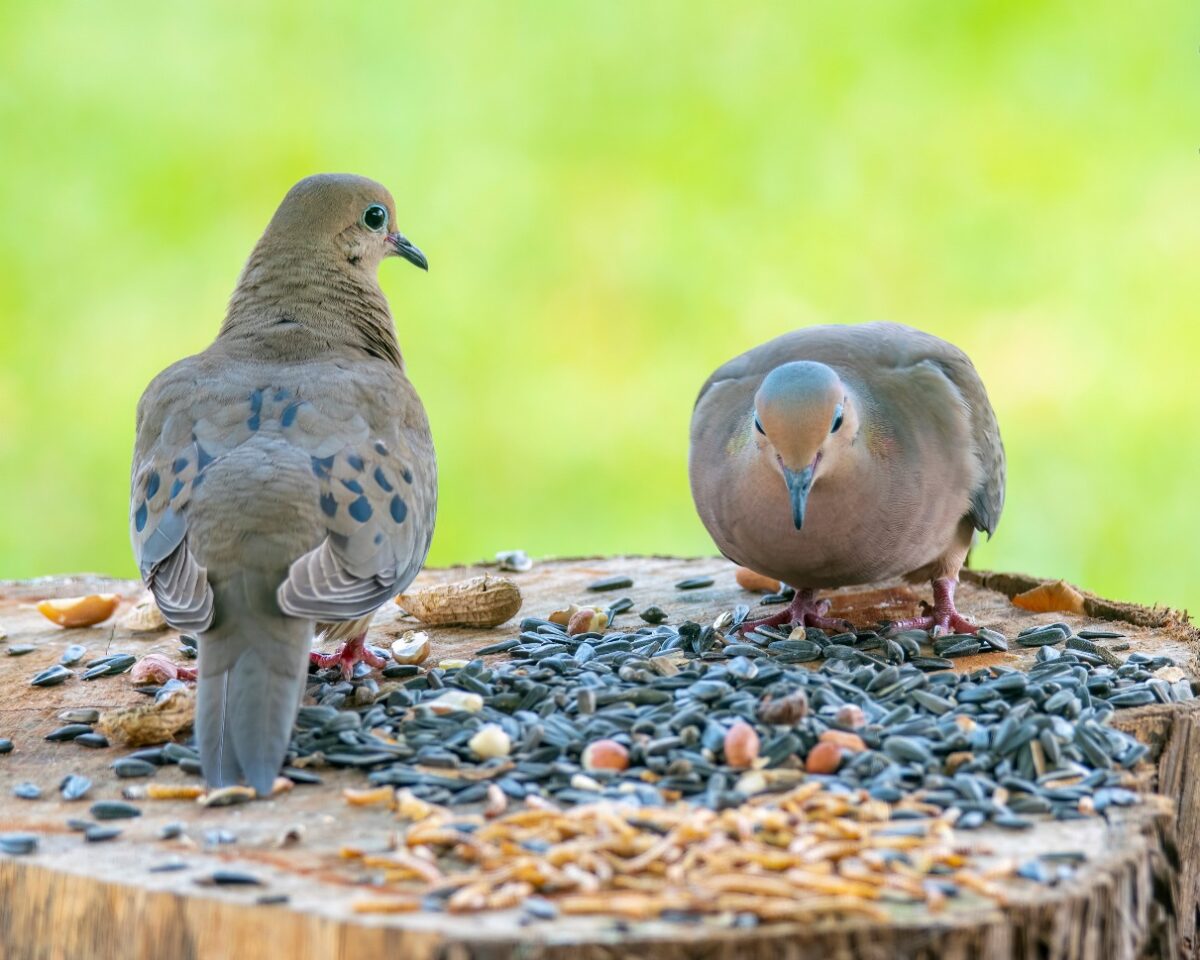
[837, 420]
[375, 217]
[758, 425]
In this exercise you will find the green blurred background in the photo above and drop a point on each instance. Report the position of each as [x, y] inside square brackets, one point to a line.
[615, 198]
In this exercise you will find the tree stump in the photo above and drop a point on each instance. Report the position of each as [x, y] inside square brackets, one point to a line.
[1138, 894]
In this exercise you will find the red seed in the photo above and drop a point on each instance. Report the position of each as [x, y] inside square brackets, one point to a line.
[825, 757]
[605, 755]
[741, 745]
[847, 741]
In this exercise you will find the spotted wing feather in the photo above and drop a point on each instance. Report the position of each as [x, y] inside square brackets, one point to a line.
[378, 527]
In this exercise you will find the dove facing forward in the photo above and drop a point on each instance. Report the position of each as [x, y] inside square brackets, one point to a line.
[285, 477]
[841, 455]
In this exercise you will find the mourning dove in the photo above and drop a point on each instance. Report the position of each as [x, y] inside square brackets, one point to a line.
[285, 477]
[841, 455]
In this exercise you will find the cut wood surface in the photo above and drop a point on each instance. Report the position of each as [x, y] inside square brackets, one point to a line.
[1137, 895]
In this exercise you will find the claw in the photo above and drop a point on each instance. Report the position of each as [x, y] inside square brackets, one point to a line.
[941, 618]
[347, 655]
[804, 611]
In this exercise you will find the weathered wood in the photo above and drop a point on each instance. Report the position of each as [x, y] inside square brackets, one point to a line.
[1136, 897]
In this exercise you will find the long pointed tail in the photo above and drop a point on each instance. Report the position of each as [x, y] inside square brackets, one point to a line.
[252, 668]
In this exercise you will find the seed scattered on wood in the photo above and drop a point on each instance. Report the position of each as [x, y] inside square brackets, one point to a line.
[515, 560]
[68, 732]
[20, 649]
[73, 654]
[109, 666]
[479, 602]
[84, 715]
[654, 615]
[411, 648]
[143, 617]
[96, 741]
[80, 611]
[154, 668]
[6, 745]
[226, 796]
[694, 583]
[74, 787]
[51, 676]
[27, 791]
[229, 878]
[18, 844]
[98, 834]
[113, 810]
[173, 791]
[378, 796]
[610, 583]
[128, 767]
[747, 579]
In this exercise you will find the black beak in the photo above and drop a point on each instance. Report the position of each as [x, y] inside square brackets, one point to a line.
[406, 249]
[799, 482]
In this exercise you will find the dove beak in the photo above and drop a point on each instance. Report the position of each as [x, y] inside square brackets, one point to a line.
[405, 248]
[799, 483]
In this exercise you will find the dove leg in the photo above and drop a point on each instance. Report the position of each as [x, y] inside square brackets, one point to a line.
[943, 617]
[347, 655]
[805, 610]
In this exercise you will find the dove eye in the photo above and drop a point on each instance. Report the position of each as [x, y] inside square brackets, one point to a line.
[375, 217]
[758, 425]
[837, 420]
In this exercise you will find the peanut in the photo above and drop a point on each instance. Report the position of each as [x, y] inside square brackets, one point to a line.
[747, 579]
[80, 611]
[479, 602]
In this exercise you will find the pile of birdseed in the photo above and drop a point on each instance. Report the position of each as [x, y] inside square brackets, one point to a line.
[653, 716]
[804, 854]
[994, 745]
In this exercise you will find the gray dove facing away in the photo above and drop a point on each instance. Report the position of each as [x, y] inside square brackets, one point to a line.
[284, 479]
[840, 455]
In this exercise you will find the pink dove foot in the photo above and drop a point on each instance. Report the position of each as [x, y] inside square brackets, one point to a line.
[942, 617]
[804, 611]
[347, 655]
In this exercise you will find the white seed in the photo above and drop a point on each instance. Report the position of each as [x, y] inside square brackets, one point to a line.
[143, 617]
[452, 664]
[581, 781]
[413, 647]
[490, 741]
[751, 783]
[454, 700]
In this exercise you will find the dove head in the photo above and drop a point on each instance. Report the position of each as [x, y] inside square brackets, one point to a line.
[349, 217]
[804, 420]
[312, 281]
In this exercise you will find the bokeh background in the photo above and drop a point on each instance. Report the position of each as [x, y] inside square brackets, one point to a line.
[615, 198]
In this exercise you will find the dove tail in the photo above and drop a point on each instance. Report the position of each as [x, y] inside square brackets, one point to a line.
[252, 673]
